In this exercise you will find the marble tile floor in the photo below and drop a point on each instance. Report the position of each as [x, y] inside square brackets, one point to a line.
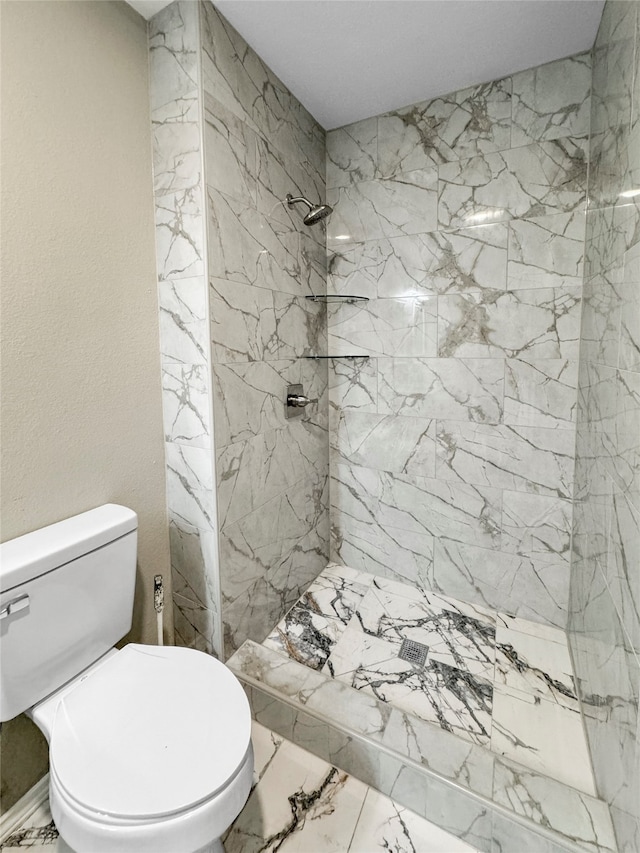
[501, 682]
[299, 804]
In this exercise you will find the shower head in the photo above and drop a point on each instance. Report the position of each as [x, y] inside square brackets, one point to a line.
[316, 211]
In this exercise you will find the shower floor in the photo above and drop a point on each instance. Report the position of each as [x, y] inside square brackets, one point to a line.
[503, 683]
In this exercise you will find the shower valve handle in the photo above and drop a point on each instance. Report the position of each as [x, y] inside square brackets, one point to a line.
[298, 401]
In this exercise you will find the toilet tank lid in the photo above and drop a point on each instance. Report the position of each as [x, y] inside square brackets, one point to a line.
[29, 556]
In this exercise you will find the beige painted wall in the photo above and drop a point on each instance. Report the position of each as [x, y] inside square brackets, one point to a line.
[81, 405]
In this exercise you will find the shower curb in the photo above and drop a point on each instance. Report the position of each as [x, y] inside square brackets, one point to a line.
[282, 694]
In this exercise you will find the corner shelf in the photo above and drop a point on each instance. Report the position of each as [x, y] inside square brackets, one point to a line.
[335, 297]
[325, 357]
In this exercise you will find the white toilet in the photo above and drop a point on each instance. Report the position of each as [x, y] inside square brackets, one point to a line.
[150, 746]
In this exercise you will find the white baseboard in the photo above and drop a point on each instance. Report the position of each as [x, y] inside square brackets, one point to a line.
[21, 811]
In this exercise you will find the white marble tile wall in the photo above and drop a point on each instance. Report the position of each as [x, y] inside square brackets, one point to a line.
[247, 489]
[271, 473]
[452, 447]
[176, 104]
[605, 577]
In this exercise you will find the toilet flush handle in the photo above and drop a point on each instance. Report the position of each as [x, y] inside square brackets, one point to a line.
[15, 606]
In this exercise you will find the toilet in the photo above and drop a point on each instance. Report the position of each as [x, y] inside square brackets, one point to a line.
[149, 746]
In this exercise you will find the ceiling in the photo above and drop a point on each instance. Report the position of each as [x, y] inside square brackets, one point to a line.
[350, 59]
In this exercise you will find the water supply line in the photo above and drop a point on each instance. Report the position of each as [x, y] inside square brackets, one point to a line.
[158, 603]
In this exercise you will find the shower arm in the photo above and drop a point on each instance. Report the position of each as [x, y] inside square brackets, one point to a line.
[291, 201]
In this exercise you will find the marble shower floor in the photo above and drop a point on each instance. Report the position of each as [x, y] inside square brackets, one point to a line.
[299, 804]
[503, 683]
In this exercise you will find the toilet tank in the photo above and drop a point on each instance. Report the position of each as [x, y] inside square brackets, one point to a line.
[66, 597]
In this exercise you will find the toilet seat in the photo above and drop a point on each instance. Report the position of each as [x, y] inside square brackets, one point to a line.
[153, 732]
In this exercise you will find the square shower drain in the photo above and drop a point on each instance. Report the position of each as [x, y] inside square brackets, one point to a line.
[413, 652]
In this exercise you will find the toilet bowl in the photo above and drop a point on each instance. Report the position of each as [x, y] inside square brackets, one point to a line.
[122, 743]
[149, 746]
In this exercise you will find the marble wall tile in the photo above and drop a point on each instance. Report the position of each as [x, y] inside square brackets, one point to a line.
[314, 377]
[257, 143]
[613, 69]
[230, 152]
[547, 251]
[190, 485]
[617, 22]
[622, 565]
[352, 153]
[353, 384]
[173, 45]
[496, 579]
[180, 250]
[380, 442]
[258, 574]
[456, 511]
[313, 262]
[387, 207]
[194, 625]
[505, 272]
[537, 526]
[629, 344]
[451, 388]
[455, 262]
[243, 322]
[534, 180]
[185, 403]
[354, 268]
[301, 326]
[278, 175]
[176, 144]
[244, 589]
[394, 327]
[252, 472]
[527, 324]
[359, 541]
[224, 76]
[182, 342]
[526, 459]
[463, 124]
[249, 398]
[303, 560]
[541, 393]
[625, 467]
[185, 299]
[552, 101]
[251, 248]
[304, 531]
[195, 582]
[627, 830]
[179, 234]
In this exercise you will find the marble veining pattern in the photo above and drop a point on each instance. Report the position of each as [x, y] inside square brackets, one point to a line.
[501, 683]
[298, 802]
[462, 219]
[604, 618]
